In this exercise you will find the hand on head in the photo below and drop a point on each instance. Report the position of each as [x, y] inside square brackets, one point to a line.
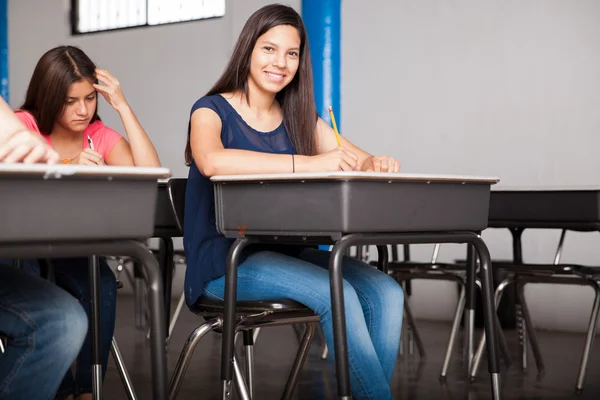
[110, 89]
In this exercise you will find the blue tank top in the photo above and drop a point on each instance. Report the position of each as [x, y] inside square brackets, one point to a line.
[206, 250]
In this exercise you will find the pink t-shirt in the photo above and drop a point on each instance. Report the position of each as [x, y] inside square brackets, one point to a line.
[103, 137]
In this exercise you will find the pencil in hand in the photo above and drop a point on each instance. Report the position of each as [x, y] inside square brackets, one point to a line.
[335, 129]
[90, 142]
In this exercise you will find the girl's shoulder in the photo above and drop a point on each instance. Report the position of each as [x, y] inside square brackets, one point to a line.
[215, 102]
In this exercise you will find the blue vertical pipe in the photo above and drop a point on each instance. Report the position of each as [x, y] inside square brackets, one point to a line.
[323, 24]
[322, 19]
[4, 49]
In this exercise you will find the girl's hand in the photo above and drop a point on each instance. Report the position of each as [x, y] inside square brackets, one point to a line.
[381, 164]
[338, 159]
[90, 157]
[27, 147]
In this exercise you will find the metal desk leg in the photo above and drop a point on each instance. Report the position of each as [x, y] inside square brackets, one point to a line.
[227, 350]
[140, 301]
[470, 288]
[339, 319]
[157, 314]
[167, 264]
[382, 258]
[95, 327]
[488, 311]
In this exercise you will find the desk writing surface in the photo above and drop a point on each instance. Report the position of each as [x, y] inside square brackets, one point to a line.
[355, 175]
[58, 171]
[332, 204]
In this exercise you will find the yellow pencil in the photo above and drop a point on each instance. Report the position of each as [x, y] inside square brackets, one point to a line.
[335, 129]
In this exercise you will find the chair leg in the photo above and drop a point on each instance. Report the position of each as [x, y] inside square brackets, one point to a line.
[455, 326]
[411, 340]
[522, 335]
[321, 335]
[301, 356]
[589, 339]
[535, 347]
[240, 383]
[140, 306]
[176, 314]
[249, 350]
[502, 343]
[411, 323]
[255, 334]
[116, 353]
[404, 328]
[479, 353]
[128, 274]
[186, 354]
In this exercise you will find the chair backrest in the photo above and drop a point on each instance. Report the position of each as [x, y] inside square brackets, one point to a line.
[176, 189]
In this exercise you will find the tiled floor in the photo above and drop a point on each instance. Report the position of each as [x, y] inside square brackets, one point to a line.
[413, 378]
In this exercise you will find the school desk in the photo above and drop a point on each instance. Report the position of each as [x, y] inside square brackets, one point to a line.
[74, 211]
[349, 209]
[575, 208]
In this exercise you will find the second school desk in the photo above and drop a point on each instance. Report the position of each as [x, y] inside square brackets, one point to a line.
[349, 209]
[77, 211]
[575, 208]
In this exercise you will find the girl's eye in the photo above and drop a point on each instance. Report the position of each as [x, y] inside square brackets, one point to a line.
[293, 53]
[268, 48]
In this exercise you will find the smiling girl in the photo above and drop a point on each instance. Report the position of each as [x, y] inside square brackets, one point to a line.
[260, 117]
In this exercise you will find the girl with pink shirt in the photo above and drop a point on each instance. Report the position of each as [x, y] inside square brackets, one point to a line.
[62, 105]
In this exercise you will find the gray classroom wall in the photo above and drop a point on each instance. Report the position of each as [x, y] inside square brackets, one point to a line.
[502, 88]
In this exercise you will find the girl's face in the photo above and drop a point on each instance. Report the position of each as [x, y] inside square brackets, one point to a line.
[275, 59]
[80, 106]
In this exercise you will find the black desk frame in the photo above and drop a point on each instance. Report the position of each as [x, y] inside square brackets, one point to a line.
[337, 297]
[131, 248]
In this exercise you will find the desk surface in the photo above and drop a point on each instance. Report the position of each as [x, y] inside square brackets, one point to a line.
[82, 171]
[354, 175]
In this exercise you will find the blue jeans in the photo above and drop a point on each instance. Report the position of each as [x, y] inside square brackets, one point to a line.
[46, 327]
[71, 274]
[373, 305]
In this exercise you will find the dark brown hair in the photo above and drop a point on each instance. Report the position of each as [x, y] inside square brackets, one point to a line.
[297, 99]
[49, 86]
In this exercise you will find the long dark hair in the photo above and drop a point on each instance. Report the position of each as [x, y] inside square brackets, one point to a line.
[297, 99]
[49, 86]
